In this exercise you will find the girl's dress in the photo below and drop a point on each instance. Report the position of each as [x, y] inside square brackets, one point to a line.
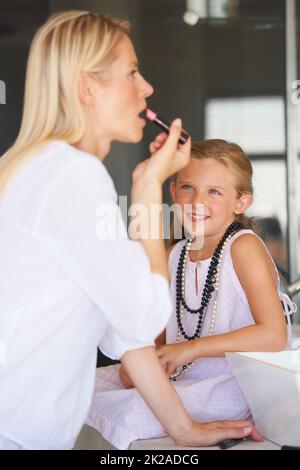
[208, 389]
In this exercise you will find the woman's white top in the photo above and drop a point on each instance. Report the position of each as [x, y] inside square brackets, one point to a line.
[70, 279]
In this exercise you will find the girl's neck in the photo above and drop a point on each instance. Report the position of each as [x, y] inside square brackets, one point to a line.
[204, 253]
[207, 249]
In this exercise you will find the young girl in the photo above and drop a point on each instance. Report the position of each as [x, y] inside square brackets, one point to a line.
[225, 298]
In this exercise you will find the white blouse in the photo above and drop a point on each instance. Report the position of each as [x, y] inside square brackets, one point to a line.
[70, 279]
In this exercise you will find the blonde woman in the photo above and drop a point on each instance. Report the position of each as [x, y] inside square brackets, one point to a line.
[67, 286]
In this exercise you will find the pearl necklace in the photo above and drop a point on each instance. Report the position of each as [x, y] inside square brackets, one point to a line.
[211, 284]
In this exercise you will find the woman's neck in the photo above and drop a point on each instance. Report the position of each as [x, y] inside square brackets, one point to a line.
[100, 148]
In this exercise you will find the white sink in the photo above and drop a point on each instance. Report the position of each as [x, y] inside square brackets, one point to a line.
[271, 385]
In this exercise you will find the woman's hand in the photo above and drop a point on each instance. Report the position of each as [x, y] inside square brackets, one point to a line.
[168, 156]
[172, 356]
[124, 377]
[209, 434]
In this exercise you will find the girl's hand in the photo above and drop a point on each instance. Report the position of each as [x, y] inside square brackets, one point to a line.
[124, 377]
[168, 156]
[172, 356]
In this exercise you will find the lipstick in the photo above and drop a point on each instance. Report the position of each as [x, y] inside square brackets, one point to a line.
[153, 117]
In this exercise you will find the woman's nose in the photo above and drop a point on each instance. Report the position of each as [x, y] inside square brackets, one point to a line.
[146, 88]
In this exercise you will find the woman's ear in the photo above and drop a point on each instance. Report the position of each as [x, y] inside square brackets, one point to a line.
[243, 203]
[85, 89]
[173, 190]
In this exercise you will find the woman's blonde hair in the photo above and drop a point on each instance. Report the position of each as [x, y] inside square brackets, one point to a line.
[234, 158]
[68, 43]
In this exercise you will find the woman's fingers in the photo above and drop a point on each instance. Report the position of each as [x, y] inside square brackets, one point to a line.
[158, 142]
[241, 424]
[255, 436]
[232, 433]
[161, 138]
[171, 143]
[168, 156]
[208, 434]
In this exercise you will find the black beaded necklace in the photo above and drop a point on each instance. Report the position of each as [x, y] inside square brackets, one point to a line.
[208, 286]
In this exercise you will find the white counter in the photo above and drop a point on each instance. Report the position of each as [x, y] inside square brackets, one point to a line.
[89, 439]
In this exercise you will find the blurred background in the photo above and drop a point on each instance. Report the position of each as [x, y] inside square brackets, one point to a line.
[228, 68]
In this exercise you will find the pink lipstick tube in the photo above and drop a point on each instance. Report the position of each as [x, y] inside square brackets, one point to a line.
[164, 125]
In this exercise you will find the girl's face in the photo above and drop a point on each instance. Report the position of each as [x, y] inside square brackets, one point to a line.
[208, 189]
[114, 101]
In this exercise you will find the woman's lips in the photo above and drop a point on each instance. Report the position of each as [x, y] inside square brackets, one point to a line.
[142, 117]
[142, 114]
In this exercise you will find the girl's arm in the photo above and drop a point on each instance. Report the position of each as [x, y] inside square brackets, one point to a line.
[259, 280]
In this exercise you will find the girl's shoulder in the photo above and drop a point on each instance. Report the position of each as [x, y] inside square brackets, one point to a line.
[248, 250]
[245, 239]
[245, 242]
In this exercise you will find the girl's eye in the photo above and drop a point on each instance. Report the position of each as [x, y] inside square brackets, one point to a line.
[214, 192]
[187, 187]
[134, 72]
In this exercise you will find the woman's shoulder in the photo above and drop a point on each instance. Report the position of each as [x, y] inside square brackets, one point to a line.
[61, 154]
[58, 159]
[56, 171]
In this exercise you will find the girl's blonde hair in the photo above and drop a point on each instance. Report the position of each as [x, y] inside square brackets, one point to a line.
[68, 43]
[234, 158]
